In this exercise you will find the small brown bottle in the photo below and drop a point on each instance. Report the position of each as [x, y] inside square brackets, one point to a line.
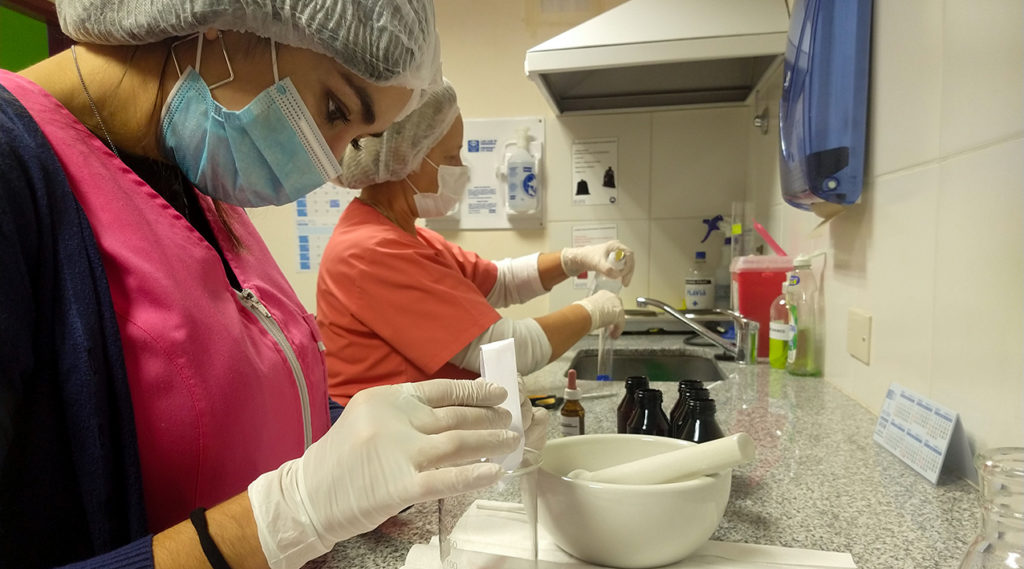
[628, 403]
[701, 425]
[572, 413]
[649, 418]
[678, 419]
[685, 386]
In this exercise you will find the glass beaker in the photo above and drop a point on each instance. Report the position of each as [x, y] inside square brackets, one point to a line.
[1000, 539]
[495, 527]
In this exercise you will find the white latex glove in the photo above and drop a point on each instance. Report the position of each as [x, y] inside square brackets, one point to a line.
[575, 260]
[391, 448]
[605, 308]
[535, 420]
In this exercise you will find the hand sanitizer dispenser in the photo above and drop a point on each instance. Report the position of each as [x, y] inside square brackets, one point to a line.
[523, 187]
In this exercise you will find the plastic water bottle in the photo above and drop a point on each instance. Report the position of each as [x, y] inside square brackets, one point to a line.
[804, 356]
[780, 331]
[605, 342]
[700, 286]
[522, 176]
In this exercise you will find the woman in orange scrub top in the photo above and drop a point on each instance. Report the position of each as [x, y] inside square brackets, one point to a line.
[400, 303]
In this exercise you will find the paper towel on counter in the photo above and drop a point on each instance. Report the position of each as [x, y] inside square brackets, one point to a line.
[489, 529]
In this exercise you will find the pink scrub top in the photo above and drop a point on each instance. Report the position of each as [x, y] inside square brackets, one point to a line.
[397, 307]
[217, 398]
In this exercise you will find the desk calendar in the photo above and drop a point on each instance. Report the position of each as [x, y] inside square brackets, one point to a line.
[916, 430]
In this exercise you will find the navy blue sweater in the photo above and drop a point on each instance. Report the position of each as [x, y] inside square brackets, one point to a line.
[70, 482]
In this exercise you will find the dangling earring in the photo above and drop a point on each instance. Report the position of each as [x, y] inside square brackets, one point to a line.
[199, 57]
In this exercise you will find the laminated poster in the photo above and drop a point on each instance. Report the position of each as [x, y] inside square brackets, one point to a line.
[595, 166]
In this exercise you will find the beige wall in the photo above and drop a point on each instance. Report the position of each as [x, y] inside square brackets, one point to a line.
[675, 168]
[933, 252]
[934, 249]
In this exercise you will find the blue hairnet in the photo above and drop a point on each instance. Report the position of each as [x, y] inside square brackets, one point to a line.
[387, 42]
[404, 144]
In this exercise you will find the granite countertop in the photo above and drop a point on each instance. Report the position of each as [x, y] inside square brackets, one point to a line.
[819, 480]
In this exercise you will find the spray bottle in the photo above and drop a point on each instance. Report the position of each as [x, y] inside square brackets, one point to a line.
[701, 285]
[722, 277]
[605, 342]
[522, 176]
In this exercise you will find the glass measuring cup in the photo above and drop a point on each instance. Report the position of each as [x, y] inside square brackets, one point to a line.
[1000, 539]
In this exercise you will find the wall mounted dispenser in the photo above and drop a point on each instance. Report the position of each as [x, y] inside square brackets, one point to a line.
[823, 111]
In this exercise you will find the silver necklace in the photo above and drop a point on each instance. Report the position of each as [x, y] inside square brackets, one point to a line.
[92, 104]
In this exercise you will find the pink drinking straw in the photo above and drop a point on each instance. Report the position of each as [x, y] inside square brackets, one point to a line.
[768, 239]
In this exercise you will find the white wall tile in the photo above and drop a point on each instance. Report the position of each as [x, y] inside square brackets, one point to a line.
[633, 131]
[896, 286]
[674, 243]
[935, 249]
[982, 78]
[698, 161]
[906, 84]
[979, 286]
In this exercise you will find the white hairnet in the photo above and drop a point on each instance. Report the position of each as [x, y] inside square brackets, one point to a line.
[387, 42]
[404, 144]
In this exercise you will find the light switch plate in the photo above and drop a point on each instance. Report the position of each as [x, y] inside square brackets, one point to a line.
[858, 335]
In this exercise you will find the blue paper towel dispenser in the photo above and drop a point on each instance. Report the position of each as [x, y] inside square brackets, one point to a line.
[823, 110]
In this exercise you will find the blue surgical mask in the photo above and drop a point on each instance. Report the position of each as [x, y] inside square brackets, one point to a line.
[269, 153]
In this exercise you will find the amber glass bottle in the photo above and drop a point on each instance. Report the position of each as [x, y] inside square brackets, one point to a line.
[649, 418]
[628, 404]
[572, 414]
[678, 419]
[685, 387]
[701, 425]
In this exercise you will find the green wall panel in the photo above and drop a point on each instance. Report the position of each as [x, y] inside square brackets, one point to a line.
[23, 40]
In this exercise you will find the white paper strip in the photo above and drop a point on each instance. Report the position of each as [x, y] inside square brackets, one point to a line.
[498, 365]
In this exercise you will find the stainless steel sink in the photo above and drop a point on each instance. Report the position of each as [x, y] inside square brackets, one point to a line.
[662, 366]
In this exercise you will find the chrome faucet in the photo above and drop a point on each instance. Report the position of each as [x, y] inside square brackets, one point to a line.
[744, 348]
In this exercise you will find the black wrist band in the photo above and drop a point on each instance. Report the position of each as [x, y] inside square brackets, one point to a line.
[210, 549]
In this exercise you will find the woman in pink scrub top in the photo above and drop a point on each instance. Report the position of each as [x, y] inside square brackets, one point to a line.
[154, 361]
[397, 302]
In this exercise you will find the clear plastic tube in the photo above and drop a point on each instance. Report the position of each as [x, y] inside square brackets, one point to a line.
[605, 342]
[605, 354]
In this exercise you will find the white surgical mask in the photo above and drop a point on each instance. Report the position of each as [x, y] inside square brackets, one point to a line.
[451, 183]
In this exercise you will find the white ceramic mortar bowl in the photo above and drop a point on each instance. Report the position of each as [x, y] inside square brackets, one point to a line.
[625, 525]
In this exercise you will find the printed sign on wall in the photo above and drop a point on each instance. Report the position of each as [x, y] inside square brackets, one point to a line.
[595, 165]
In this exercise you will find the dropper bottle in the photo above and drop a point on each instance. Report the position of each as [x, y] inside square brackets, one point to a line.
[605, 342]
[572, 413]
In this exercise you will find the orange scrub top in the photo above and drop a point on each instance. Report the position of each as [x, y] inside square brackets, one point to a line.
[394, 308]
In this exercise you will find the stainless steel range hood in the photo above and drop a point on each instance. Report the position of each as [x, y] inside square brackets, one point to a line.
[657, 54]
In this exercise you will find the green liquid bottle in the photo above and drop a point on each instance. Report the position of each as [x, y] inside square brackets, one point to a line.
[779, 332]
[804, 356]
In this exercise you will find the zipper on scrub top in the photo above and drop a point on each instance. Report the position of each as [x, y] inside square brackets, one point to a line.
[249, 300]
